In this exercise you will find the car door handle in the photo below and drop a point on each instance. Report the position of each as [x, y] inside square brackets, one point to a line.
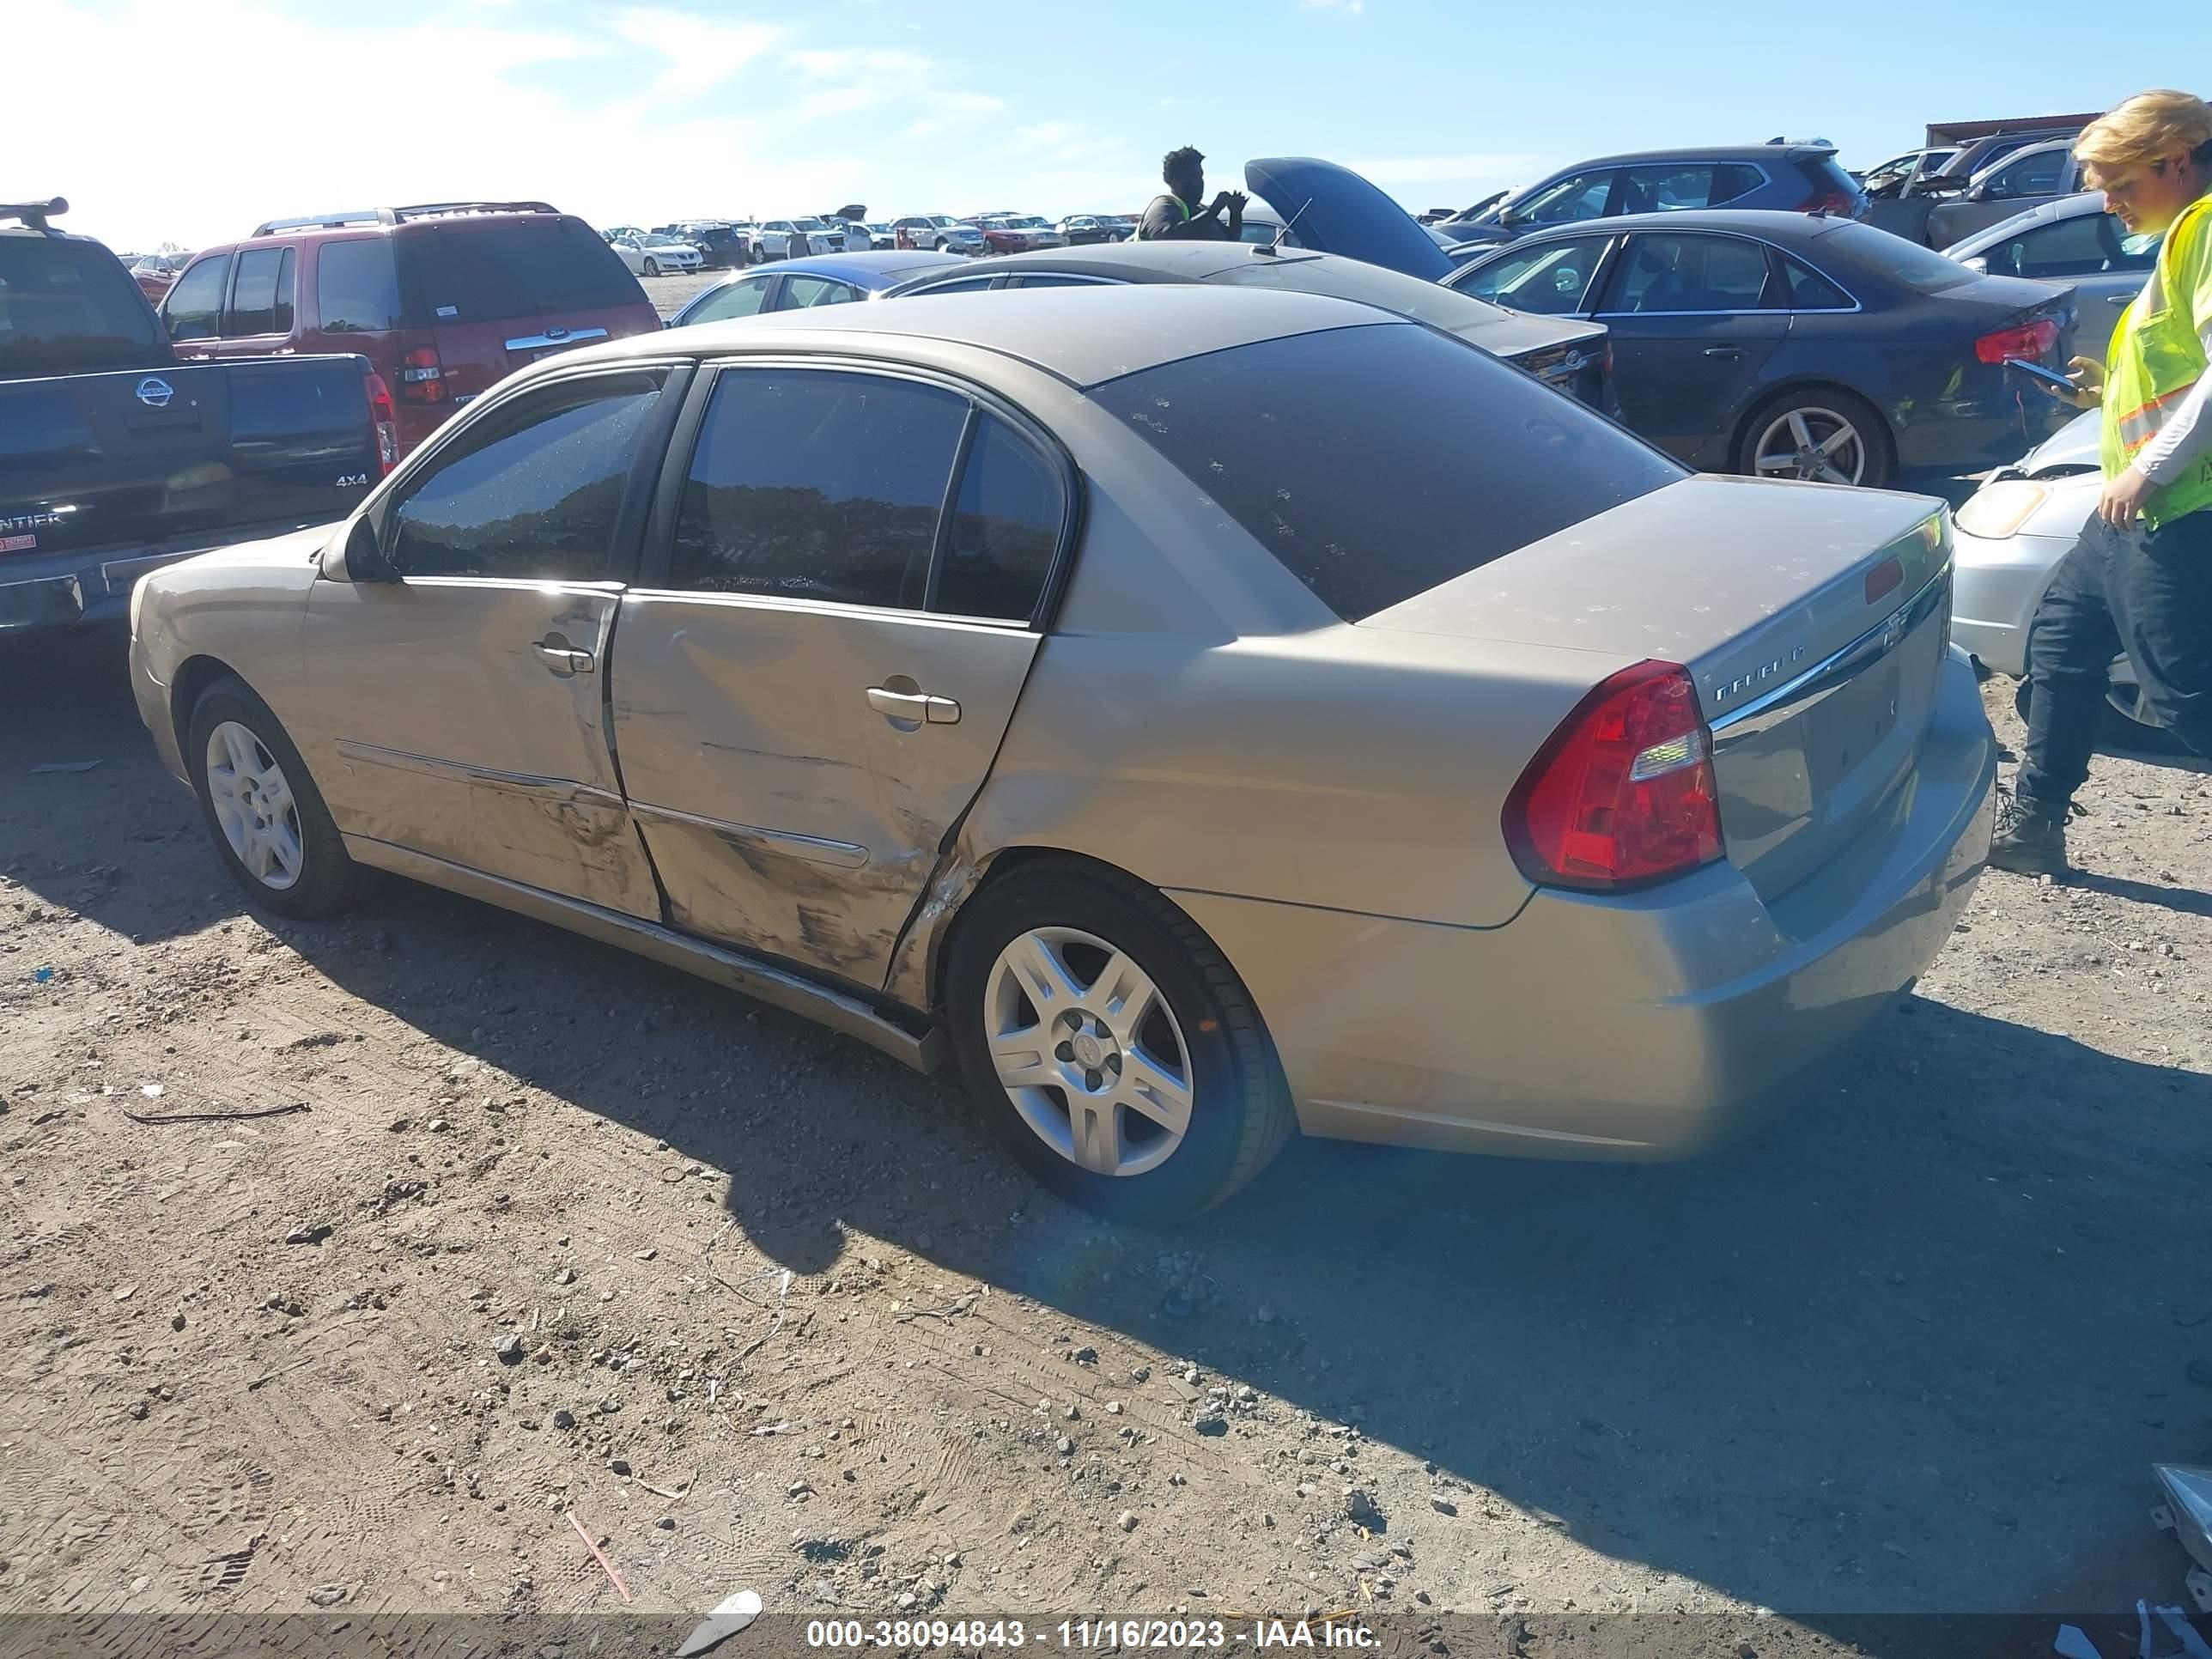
[1724, 351]
[914, 706]
[557, 654]
[2117, 299]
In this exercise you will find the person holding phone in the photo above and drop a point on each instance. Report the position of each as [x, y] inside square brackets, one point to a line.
[2140, 580]
[1177, 216]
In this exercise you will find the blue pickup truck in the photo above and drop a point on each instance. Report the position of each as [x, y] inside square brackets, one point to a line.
[116, 458]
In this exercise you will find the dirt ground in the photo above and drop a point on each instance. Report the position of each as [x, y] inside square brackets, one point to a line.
[563, 1232]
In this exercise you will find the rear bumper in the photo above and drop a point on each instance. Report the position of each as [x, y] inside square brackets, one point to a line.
[1648, 1026]
[1995, 587]
[49, 592]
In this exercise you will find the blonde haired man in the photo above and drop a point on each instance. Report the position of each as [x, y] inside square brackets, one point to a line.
[2140, 580]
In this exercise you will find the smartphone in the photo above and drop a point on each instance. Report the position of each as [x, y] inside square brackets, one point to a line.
[2050, 378]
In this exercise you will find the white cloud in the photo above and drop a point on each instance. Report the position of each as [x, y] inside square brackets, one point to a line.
[1349, 8]
[953, 110]
[1483, 167]
[701, 52]
[847, 63]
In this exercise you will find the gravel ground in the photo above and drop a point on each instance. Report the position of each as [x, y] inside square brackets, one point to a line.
[564, 1231]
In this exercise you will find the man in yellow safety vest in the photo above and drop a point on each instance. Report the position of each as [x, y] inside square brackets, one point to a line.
[1177, 216]
[2140, 580]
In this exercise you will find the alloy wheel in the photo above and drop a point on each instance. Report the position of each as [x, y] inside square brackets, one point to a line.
[254, 806]
[1088, 1051]
[1816, 444]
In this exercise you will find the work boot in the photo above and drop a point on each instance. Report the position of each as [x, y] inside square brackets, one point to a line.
[2031, 837]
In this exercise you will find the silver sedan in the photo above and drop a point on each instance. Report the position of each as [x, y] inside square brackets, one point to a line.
[1202, 715]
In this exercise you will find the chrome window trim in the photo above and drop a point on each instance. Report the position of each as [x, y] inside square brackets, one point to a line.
[1772, 249]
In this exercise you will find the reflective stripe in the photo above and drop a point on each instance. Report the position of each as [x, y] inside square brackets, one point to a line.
[2139, 426]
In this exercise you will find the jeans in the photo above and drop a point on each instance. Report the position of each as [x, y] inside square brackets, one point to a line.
[2147, 594]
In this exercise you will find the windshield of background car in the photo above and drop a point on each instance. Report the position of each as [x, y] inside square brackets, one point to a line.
[1921, 268]
[68, 306]
[1351, 279]
[522, 267]
[1376, 462]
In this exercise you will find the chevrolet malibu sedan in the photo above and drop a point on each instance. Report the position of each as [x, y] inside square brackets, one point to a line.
[1202, 716]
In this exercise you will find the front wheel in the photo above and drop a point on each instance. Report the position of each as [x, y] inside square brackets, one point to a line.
[267, 816]
[1818, 435]
[653, 267]
[1111, 1046]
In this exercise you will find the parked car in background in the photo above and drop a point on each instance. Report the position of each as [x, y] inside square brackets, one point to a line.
[940, 230]
[1783, 177]
[1052, 648]
[443, 299]
[793, 239]
[155, 272]
[1017, 233]
[1787, 346]
[1905, 198]
[2009, 537]
[719, 242]
[826, 279]
[116, 458]
[2031, 175]
[1086, 229]
[1569, 357]
[651, 254]
[881, 237]
[2072, 240]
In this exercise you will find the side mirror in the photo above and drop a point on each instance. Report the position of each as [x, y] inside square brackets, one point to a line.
[1511, 217]
[1980, 263]
[364, 559]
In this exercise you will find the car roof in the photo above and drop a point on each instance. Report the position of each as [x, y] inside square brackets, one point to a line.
[879, 265]
[1085, 339]
[1712, 153]
[2080, 205]
[1776, 226]
[1131, 262]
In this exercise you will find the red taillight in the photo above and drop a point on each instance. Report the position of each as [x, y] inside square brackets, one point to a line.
[385, 420]
[421, 376]
[1622, 794]
[2030, 341]
[1834, 202]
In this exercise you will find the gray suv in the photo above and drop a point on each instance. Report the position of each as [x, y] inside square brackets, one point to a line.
[1783, 177]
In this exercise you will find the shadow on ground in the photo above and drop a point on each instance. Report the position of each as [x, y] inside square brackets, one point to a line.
[1908, 1348]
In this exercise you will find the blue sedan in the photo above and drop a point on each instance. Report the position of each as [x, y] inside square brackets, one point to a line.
[826, 279]
[1791, 345]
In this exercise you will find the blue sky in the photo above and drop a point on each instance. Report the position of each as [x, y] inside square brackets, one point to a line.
[640, 113]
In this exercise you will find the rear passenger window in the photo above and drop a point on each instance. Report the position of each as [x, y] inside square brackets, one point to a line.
[1005, 528]
[1733, 181]
[732, 299]
[261, 303]
[356, 287]
[536, 497]
[811, 485]
[1811, 291]
[193, 308]
[1666, 189]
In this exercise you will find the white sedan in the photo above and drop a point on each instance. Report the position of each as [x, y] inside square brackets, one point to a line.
[649, 255]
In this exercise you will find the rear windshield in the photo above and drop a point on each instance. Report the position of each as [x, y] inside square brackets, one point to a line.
[1351, 279]
[1920, 269]
[66, 306]
[519, 267]
[1375, 463]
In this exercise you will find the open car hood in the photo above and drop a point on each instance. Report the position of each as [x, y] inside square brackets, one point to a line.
[1337, 211]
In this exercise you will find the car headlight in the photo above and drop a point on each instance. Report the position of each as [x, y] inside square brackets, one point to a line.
[1997, 510]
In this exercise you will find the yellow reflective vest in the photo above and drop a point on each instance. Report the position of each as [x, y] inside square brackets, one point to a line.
[2156, 359]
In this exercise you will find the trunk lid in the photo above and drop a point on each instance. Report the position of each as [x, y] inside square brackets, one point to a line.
[90, 462]
[1335, 210]
[1814, 620]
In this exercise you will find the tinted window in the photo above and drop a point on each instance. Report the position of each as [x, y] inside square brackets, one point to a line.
[732, 299]
[356, 287]
[2031, 175]
[803, 291]
[193, 307]
[1667, 274]
[1551, 279]
[1581, 197]
[2087, 244]
[959, 285]
[1810, 291]
[1660, 189]
[1003, 530]
[1044, 281]
[519, 267]
[536, 497]
[67, 305]
[1376, 462]
[816, 485]
[261, 301]
[1921, 268]
[1733, 181]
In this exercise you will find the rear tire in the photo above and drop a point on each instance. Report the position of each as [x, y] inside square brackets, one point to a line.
[1772, 442]
[262, 810]
[1145, 1010]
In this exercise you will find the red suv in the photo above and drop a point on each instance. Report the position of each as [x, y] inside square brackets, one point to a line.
[443, 300]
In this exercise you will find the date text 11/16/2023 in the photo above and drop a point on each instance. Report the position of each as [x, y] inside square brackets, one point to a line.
[1165, 1635]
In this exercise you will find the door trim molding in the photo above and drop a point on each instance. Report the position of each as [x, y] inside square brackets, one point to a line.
[919, 1044]
[482, 777]
[815, 849]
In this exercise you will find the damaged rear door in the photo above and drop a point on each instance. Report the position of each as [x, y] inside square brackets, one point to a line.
[838, 606]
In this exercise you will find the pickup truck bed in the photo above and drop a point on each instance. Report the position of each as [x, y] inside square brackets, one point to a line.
[116, 458]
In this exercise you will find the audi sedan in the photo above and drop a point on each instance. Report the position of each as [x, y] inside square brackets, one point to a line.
[1200, 716]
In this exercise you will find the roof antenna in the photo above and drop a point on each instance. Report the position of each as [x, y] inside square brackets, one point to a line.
[1275, 245]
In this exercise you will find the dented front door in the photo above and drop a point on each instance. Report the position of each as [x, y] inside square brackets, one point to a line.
[796, 766]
